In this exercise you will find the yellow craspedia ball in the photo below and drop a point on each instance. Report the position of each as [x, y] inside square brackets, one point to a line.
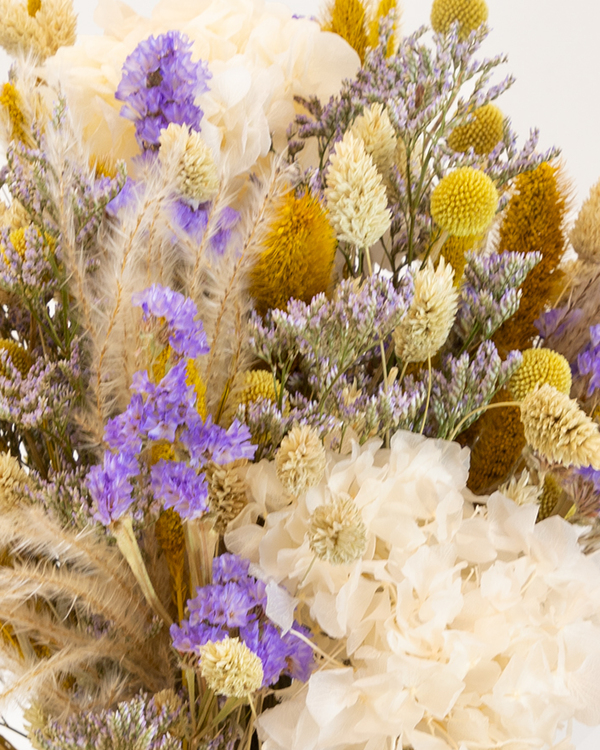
[469, 13]
[258, 385]
[297, 260]
[483, 133]
[19, 357]
[540, 366]
[464, 202]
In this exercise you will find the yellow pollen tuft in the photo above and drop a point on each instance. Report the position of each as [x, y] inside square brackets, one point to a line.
[454, 251]
[483, 133]
[540, 366]
[10, 99]
[19, 357]
[464, 202]
[470, 14]
[348, 19]
[33, 6]
[298, 255]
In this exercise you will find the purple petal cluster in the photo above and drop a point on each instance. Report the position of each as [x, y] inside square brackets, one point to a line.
[588, 362]
[111, 486]
[194, 222]
[235, 605]
[159, 86]
[186, 334]
[178, 486]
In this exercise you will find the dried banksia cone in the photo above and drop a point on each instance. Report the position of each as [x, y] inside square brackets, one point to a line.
[375, 130]
[19, 357]
[482, 134]
[13, 482]
[470, 14]
[336, 532]
[558, 429]
[425, 327]
[356, 196]
[298, 254]
[585, 235]
[230, 668]
[464, 202]
[226, 492]
[540, 366]
[300, 460]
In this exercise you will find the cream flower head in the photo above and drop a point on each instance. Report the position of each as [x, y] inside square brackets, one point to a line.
[192, 160]
[300, 460]
[356, 197]
[425, 327]
[336, 532]
[41, 33]
[260, 58]
[375, 130]
[230, 668]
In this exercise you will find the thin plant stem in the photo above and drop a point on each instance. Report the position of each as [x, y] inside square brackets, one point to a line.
[481, 409]
[428, 395]
[316, 649]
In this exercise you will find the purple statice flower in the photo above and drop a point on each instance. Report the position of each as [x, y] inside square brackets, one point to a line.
[588, 362]
[178, 486]
[235, 605]
[110, 485]
[186, 334]
[169, 405]
[590, 475]
[159, 86]
[194, 222]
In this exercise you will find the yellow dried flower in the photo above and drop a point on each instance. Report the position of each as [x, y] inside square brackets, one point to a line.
[33, 6]
[103, 166]
[18, 241]
[194, 378]
[558, 429]
[300, 460]
[464, 202]
[549, 498]
[454, 251]
[425, 327]
[585, 235]
[336, 532]
[230, 668]
[10, 99]
[258, 385]
[375, 130]
[52, 26]
[540, 366]
[469, 13]
[483, 133]
[384, 8]
[193, 159]
[13, 480]
[533, 222]
[298, 255]
[19, 357]
[226, 493]
[356, 197]
[348, 19]
[169, 532]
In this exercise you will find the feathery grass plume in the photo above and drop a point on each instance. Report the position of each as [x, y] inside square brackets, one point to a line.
[425, 327]
[454, 251]
[464, 202]
[375, 130]
[230, 668]
[10, 99]
[384, 8]
[497, 446]
[193, 161]
[13, 482]
[219, 284]
[300, 460]
[53, 605]
[558, 429]
[483, 133]
[52, 26]
[540, 366]
[533, 222]
[348, 19]
[355, 194]
[336, 531]
[585, 234]
[297, 259]
[470, 14]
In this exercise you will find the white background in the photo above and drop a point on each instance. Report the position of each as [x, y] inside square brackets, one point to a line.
[554, 54]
